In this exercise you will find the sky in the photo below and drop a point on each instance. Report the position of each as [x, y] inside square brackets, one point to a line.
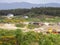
[31, 1]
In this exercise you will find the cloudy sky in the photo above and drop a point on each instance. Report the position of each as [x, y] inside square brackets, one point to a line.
[31, 1]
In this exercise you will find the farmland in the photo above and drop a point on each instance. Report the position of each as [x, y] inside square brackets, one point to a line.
[21, 31]
[35, 26]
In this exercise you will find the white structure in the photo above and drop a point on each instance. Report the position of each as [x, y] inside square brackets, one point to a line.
[10, 15]
[26, 17]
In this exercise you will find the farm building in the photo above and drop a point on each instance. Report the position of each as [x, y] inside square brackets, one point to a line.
[10, 15]
[26, 17]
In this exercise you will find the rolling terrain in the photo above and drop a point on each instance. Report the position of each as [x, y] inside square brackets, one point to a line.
[15, 5]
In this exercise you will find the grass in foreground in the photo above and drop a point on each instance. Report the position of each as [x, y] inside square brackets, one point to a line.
[18, 37]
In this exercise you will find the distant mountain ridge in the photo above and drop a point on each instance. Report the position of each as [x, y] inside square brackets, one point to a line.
[26, 5]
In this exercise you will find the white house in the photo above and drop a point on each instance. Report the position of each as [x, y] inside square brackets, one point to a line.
[26, 17]
[10, 15]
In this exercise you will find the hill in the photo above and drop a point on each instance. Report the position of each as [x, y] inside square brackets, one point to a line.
[15, 5]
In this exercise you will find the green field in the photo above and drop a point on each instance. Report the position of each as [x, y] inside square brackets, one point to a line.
[18, 37]
[18, 19]
[13, 30]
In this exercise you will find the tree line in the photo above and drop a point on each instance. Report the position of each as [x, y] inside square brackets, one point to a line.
[42, 10]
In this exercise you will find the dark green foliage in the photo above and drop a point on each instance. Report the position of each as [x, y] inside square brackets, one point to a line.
[50, 11]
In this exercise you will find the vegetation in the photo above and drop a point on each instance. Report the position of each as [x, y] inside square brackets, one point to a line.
[33, 12]
[18, 37]
[32, 26]
[20, 25]
[48, 14]
[17, 19]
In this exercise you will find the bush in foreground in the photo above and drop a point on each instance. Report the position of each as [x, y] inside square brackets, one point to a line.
[18, 37]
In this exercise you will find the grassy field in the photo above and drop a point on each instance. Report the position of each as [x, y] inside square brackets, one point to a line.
[18, 19]
[18, 37]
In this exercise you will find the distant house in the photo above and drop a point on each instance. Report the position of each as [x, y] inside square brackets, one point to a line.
[10, 15]
[26, 17]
